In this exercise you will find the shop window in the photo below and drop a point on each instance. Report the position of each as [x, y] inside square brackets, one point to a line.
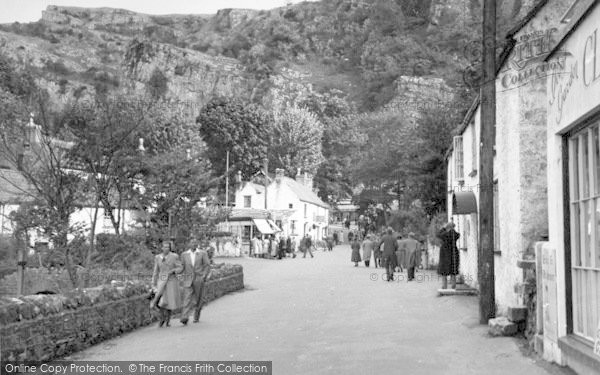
[584, 207]
[247, 229]
[247, 201]
[459, 167]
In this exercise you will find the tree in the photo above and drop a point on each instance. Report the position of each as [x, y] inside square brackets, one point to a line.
[157, 84]
[53, 190]
[106, 130]
[295, 140]
[228, 124]
[340, 138]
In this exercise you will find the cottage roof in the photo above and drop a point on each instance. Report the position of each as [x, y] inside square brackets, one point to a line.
[14, 188]
[257, 187]
[304, 193]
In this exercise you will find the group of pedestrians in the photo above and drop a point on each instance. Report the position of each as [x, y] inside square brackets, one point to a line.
[395, 253]
[178, 281]
[279, 247]
[389, 252]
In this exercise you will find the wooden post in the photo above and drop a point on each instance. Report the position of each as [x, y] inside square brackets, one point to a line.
[266, 165]
[227, 181]
[485, 256]
[20, 263]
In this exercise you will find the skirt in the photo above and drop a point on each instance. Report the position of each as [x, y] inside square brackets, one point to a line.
[356, 255]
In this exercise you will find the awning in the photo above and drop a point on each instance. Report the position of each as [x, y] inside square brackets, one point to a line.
[273, 225]
[263, 226]
[463, 202]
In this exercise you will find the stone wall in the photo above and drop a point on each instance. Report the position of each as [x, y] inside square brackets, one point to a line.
[46, 327]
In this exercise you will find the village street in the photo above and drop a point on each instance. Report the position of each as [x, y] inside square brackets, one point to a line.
[324, 316]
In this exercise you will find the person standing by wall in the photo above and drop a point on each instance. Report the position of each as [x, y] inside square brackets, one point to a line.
[449, 256]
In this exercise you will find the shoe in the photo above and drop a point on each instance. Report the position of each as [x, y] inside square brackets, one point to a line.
[161, 323]
[184, 321]
[196, 321]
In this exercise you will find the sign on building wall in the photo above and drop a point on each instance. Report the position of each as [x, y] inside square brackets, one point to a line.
[575, 92]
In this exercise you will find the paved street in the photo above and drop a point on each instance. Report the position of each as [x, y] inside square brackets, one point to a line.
[324, 316]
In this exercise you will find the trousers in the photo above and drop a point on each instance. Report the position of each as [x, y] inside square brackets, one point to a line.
[193, 298]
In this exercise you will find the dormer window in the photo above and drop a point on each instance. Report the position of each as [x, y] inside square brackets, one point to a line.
[247, 201]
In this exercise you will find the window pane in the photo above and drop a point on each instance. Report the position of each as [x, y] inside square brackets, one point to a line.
[585, 165]
[596, 160]
[586, 227]
[575, 235]
[573, 155]
[596, 250]
[577, 303]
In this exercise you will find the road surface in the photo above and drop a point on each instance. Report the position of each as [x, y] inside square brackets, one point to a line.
[322, 315]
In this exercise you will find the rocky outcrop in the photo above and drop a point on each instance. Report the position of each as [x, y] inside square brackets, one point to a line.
[91, 17]
[418, 95]
[192, 76]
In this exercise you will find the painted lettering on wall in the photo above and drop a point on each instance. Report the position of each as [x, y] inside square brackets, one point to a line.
[561, 90]
[591, 59]
[590, 74]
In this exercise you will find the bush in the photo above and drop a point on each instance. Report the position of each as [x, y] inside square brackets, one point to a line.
[122, 252]
[8, 249]
[434, 226]
[414, 220]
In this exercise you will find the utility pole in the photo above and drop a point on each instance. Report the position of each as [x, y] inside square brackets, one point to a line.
[485, 255]
[227, 180]
[266, 165]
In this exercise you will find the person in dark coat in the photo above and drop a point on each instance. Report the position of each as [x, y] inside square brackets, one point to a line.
[330, 242]
[282, 247]
[390, 246]
[355, 252]
[449, 256]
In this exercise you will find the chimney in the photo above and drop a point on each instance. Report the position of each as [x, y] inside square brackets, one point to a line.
[33, 133]
[278, 175]
[308, 180]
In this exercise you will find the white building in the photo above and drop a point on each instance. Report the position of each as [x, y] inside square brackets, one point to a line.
[291, 204]
[570, 261]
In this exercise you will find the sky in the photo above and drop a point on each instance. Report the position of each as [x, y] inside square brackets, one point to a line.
[31, 10]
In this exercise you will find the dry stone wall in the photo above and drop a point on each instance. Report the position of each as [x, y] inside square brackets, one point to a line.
[46, 327]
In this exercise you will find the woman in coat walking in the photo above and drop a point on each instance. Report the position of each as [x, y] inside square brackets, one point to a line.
[166, 285]
[355, 251]
[449, 256]
[367, 246]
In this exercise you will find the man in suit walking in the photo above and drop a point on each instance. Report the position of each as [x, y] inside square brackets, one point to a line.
[390, 246]
[413, 254]
[196, 268]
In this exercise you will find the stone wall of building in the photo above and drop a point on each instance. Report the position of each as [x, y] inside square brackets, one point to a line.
[46, 327]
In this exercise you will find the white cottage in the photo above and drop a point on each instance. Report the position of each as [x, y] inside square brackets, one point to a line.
[291, 204]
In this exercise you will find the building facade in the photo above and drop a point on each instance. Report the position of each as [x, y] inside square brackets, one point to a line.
[571, 256]
[292, 204]
[519, 187]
